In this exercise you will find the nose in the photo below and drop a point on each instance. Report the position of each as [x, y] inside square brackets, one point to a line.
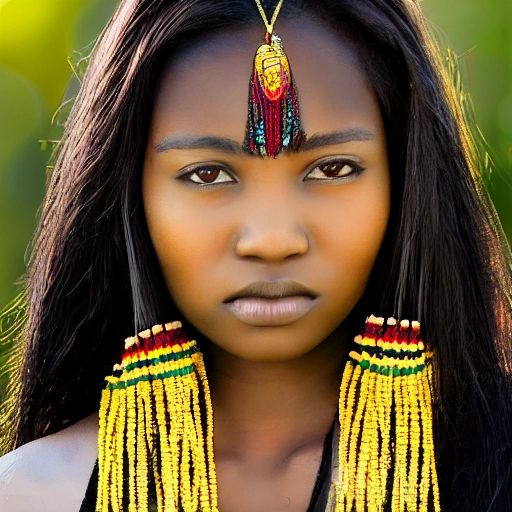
[271, 231]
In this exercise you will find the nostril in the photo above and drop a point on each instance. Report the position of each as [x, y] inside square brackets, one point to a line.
[272, 244]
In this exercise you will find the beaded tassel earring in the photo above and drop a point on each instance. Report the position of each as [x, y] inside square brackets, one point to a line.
[152, 442]
[273, 122]
[385, 412]
[151, 438]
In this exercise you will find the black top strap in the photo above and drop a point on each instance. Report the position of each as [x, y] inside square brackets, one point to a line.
[89, 503]
[318, 502]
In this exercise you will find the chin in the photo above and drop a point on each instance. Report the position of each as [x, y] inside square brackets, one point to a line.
[270, 345]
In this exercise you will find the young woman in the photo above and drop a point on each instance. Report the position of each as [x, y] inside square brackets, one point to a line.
[162, 207]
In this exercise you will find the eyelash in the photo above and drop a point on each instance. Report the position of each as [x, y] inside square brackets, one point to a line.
[333, 164]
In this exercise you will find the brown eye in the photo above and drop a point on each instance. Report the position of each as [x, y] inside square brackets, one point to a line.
[334, 169]
[208, 176]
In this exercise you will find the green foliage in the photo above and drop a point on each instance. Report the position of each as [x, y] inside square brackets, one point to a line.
[36, 39]
[78, 63]
[480, 34]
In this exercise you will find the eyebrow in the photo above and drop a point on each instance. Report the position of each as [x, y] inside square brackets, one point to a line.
[180, 141]
[226, 145]
[318, 140]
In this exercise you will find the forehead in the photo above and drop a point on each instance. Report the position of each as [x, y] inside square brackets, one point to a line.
[204, 88]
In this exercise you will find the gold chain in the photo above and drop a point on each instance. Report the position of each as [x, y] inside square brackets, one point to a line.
[270, 26]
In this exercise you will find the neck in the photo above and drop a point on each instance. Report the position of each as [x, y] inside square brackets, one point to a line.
[264, 412]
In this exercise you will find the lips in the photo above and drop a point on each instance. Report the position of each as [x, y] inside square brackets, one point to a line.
[270, 303]
[272, 290]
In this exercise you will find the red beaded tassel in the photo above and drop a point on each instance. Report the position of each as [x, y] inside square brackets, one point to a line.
[273, 120]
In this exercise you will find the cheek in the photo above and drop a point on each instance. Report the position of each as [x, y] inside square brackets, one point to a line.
[185, 252]
[186, 240]
[351, 242]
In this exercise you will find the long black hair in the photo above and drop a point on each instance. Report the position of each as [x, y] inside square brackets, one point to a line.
[94, 277]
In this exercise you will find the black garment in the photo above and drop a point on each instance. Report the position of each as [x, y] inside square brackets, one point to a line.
[89, 503]
[322, 486]
[317, 503]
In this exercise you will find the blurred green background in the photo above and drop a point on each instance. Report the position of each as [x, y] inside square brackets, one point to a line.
[37, 37]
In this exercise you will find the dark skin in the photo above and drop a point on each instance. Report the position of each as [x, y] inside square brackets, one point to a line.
[221, 219]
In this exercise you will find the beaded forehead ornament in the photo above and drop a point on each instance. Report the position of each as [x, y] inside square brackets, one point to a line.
[273, 122]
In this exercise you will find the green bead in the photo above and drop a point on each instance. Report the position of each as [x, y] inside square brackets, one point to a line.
[405, 371]
[365, 364]
[384, 370]
[396, 371]
[374, 368]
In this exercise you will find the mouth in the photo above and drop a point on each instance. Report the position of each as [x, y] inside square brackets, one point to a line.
[267, 304]
[272, 290]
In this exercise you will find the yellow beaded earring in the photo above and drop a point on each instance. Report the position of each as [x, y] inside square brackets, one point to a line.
[151, 437]
[385, 413]
[152, 444]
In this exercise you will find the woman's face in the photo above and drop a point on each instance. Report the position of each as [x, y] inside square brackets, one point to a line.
[266, 257]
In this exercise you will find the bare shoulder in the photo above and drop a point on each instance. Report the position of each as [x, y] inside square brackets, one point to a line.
[50, 474]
